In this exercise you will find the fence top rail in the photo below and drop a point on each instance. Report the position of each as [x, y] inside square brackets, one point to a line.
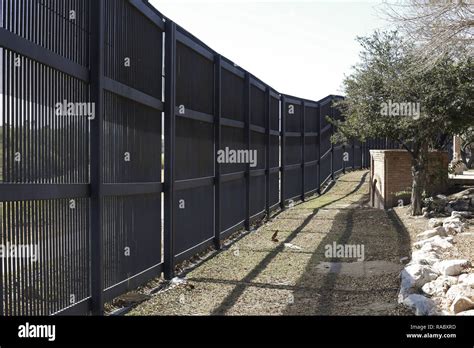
[202, 48]
[195, 46]
[258, 84]
[153, 8]
[329, 99]
[233, 68]
[300, 101]
[190, 36]
[150, 12]
[274, 94]
[264, 85]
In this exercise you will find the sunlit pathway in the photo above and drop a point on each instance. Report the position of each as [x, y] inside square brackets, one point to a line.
[292, 275]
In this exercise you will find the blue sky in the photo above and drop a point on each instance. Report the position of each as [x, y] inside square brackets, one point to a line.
[301, 48]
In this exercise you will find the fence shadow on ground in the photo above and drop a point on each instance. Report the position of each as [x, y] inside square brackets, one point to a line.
[351, 287]
[320, 296]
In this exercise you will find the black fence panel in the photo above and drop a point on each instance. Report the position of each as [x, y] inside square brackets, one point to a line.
[292, 159]
[128, 57]
[130, 122]
[340, 153]
[311, 147]
[130, 224]
[258, 146]
[326, 147]
[58, 26]
[357, 154]
[338, 162]
[274, 151]
[44, 156]
[348, 156]
[194, 154]
[235, 132]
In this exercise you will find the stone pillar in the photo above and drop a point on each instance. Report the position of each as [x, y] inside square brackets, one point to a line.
[459, 169]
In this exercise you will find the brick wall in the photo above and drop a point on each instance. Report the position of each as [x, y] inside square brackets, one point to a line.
[391, 176]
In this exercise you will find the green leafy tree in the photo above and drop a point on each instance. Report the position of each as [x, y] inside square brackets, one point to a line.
[387, 95]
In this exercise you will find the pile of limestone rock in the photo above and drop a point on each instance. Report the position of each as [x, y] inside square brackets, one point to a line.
[431, 285]
[442, 205]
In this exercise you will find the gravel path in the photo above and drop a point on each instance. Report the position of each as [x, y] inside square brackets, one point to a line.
[290, 274]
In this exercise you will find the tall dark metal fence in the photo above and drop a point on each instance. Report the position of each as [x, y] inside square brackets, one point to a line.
[86, 189]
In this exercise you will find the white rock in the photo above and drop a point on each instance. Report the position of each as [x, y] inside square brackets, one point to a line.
[431, 289]
[438, 231]
[453, 225]
[448, 280]
[469, 313]
[413, 277]
[451, 267]
[454, 228]
[452, 220]
[467, 279]
[427, 247]
[432, 223]
[440, 243]
[177, 281]
[292, 246]
[420, 304]
[461, 290]
[422, 243]
[435, 242]
[461, 304]
[424, 257]
[439, 286]
[461, 214]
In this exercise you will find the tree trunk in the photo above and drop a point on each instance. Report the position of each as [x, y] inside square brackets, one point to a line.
[416, 191]
[418, 179]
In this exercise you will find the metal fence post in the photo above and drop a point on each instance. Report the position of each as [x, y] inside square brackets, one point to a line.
[332, 145]
[283, 152]
[96, 148]
[303, 146]
[353, 155]
[247, 139]
[217, 146]
[267, 149]
[343, 156]
[367, 152]
[362, 154]
[319, 148]
[170, 134]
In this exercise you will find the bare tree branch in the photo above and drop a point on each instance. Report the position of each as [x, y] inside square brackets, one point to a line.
[438, 28]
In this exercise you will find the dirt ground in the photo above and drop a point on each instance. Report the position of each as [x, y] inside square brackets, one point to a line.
[290, 274]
